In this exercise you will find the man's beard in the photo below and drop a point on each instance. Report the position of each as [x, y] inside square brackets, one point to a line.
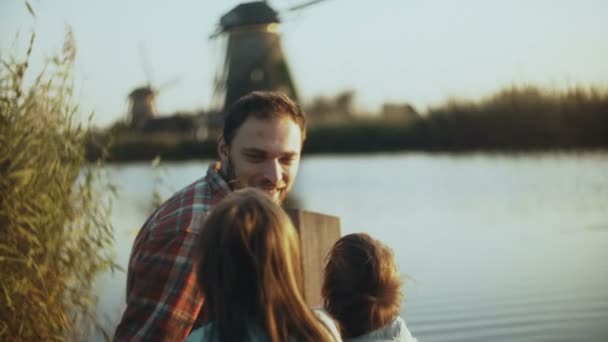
[228, 172]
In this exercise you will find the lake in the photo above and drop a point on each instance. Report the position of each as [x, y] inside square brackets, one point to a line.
[492, 247]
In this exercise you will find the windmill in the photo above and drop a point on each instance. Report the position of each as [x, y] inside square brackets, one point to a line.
[142, 106]
[142, 99]
[254, 54]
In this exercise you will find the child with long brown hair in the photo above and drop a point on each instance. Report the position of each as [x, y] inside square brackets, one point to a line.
[249, 272]
[362, 290]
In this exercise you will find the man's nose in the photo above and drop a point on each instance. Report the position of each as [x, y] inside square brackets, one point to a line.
[273, 171]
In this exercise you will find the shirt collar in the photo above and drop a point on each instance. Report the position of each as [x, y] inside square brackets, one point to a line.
[215, 180]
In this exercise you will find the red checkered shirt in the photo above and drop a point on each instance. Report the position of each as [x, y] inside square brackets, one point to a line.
[163, 299]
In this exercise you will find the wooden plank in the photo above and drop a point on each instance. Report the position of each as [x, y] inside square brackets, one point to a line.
[318, 233]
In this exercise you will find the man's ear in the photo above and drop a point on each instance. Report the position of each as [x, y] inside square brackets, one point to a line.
[223, 149]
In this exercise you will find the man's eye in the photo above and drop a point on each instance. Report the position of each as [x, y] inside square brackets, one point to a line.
[288, 160]
[254, 158]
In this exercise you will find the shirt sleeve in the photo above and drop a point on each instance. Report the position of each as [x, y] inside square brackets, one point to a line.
[163, 299]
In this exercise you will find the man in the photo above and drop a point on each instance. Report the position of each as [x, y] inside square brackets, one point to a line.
[260, 147]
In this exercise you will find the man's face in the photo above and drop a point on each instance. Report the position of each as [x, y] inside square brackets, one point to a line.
[265, 153]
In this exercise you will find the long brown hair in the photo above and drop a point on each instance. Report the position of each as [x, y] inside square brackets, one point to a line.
[361, 285]
[249, 270]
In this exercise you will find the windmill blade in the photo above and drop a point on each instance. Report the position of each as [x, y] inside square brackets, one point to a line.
[221, 70]
[169, 84]
[303, 5]
[216, 33]
[145, 62]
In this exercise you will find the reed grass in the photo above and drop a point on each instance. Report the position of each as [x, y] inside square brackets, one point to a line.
[55, 234]
[523, 118]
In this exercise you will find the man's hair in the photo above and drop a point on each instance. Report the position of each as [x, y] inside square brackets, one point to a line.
[361, 286]
[249, 268]
[264, 105]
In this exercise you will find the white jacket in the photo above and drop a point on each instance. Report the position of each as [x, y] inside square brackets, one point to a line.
[394, 331]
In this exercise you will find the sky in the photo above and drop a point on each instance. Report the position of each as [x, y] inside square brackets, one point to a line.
[417, 51]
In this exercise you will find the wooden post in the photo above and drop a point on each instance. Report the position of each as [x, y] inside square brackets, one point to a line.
[318, 233]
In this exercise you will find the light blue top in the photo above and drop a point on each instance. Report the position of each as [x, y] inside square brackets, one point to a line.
[255, 333]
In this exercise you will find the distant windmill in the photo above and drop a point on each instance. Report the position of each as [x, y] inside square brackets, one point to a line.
[254, 55]
[142, 106]
[143, 99]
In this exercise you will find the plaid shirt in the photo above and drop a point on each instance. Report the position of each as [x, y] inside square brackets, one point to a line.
[163, 299]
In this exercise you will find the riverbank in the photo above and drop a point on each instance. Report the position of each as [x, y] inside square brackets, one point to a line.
[524, 119]
[364, 137]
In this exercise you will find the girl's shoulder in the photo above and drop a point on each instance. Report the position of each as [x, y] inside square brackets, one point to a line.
[404, 333]
[396, 330]
[203, 334]
[325, 319]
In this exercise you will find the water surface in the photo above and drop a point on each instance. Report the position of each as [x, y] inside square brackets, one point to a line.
[493, 248]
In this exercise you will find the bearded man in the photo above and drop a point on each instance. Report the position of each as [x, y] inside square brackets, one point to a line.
[260, 147]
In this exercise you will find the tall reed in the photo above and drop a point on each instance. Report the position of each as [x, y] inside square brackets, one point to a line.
[55, 235]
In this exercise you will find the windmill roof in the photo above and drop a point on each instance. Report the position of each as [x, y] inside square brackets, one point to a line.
[141, 91]
[249, 13]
